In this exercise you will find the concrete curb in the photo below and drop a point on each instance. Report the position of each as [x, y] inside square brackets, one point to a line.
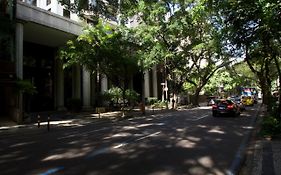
[59, 124]
[80, 118]
[240, 154]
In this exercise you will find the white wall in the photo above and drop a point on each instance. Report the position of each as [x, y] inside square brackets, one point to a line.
[30, 13]
[55, 7]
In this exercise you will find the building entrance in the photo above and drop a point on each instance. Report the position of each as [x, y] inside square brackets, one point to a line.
[39, 70]
[8, 92]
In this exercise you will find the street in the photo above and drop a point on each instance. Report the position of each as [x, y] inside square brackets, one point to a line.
[187, 142]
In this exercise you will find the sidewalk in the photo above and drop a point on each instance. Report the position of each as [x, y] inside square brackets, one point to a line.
[61, 119]
[263, 156]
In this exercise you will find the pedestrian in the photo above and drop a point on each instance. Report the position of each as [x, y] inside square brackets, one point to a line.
[173, 103]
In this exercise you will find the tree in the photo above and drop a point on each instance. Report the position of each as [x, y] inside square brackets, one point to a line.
[253, 27]
[231, 78]
[185, 37]
[220, 79]
[105, 50]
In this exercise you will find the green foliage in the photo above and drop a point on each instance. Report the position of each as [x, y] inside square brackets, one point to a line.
[26, 87]
[250, 21]
[183, 36]
[104, 49]
[231, 78]
[252, 30]
[115, 94]
[132, 95]
[243, 74]
[271, 126]
[152, 100]
[160, 104]
[220, 79]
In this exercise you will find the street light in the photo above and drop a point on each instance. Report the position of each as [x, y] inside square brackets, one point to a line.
[163, 91]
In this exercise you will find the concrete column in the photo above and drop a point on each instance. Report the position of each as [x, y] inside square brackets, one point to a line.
[104, 83]
[76, 82]
[59, 98]
[86, 90]
[18, 113]
[93, 89]
[154, 80]
[19, 50]
[146, 84]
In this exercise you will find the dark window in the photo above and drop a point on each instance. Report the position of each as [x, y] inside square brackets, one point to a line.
[66, 13]
[48, 2]
[5, 48]
[38, 68]
[3, 7]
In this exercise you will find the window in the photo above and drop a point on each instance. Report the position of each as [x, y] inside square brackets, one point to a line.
[3, 7]
[66, 13]
[5, 48]
[48, 2]
[31, 2]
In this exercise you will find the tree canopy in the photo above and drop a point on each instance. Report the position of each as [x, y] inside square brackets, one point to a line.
[103, 49]
[191, 39]
[185, 37]
[253, 28]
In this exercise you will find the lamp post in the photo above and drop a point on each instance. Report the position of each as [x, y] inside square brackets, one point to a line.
[163, 91]
[164, 84]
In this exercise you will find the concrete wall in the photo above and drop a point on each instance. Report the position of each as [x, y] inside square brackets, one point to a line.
[37, 15]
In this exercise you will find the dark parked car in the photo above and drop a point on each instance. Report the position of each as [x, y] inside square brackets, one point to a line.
[225, 107]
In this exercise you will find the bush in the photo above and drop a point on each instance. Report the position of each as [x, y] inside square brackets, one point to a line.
[152, 100]
[131, 95]
[114, 95]
[26, 87]
[160, 104]
[274, 111]
[270, 126]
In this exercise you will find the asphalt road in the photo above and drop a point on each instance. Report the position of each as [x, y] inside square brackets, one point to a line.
[182, 142]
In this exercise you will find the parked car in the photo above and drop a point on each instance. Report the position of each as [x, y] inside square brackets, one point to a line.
[238, 101]
[225, 107]
[248, 100]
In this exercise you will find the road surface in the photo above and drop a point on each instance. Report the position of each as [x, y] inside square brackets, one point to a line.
[177, 143]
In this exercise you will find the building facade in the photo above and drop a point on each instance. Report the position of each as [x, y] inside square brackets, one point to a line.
[38, 29]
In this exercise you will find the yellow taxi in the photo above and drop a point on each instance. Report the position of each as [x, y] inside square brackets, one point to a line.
[248, 100]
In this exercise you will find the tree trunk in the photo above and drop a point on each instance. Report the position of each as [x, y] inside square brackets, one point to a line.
[266, 94]
[279, 90]
[195, 99]
[125, 87]
[142, 104]
[123, 99]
